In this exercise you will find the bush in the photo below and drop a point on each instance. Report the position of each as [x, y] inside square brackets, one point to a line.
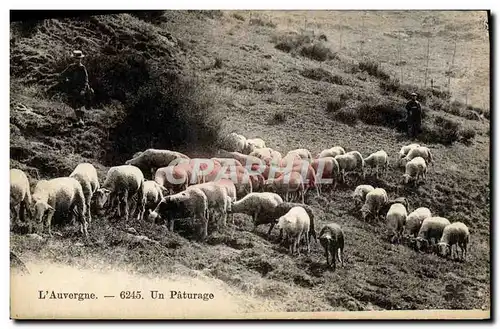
[260, 22]
[373, 69]
[443, 130]
[239, 17]
[320, 74]
[347, 115]
[333, 106]
[467, 134]
[278, 117]
[317, 51]
[304, 45]
[382, 113]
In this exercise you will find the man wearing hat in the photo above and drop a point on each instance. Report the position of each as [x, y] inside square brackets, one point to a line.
[80, 92]
[414, 116]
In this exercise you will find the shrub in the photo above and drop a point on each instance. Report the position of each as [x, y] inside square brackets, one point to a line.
[320, 74]
[317, 51]
[303, 44]
[373, 69]
[390, 86]
[278, 117]
[260, 22]
[442, 130]
[382, 113]
[333, 106]
[239, 17]
[218, 63]
[347, 115]
[467, 134]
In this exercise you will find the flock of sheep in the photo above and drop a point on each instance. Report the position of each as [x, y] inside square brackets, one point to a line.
[245, 177]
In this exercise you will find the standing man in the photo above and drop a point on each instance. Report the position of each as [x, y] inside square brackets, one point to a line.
[80, 92]
[414, 116]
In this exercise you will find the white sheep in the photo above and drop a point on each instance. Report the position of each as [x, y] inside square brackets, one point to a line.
[216, 197]
[231, 194]
[152, 159]
[415, 169]
[396, 219]
[290, 184]
[153, 194]
[189, 203]
[431, 231]
[235, 142]
[246, 160]
[456, 234]
[360, 192]
[86, 175]
[123, 183]
[326, 168]
[415, 219]
[62, 196]
[331, 152]
[420, 151]
[295, 224]
[304, 154]
[254, 143]
[406, 148]
[377, 160]
[282, 208]
[374, 202]
[20, 195]
[259, 205]
[228, 162]
[331, 238]
[349, 162]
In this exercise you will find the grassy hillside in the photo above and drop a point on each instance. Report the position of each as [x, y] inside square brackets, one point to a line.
[285, 78]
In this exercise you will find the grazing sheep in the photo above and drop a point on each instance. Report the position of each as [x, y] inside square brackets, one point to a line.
[62, 196]
[86, 175]
[20, 195]
[415, 169]
[153, 193]
[231, 194]
[304, 154]
[152, 159]
[331, 238]
[189, 203]
[285, 184]
[360, 192]
[406, 148]
[396, 219]
[331, 152]
[284, 207]
[254, 143]
[377, 160]
[431, 231]
[415, 219]
[257, 183]
[350, 162]
[296, 224]
[228, 162]
[326, 168]
[235, 142]
[259, 205]
[454, 234]
[268, 155]
[374, 202]
[174, 178]
[216, 197]
[299, 166]
[389, 203]
[420, 151]
[123, 183]
[246, 160]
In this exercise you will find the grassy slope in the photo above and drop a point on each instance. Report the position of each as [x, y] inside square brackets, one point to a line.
[257, 81]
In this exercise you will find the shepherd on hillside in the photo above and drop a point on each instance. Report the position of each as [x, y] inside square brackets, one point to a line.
[414, 116]
[80, 92]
